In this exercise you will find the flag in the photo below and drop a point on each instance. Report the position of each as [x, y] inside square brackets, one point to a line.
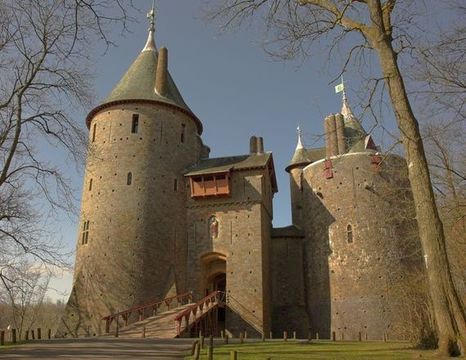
[339, 88]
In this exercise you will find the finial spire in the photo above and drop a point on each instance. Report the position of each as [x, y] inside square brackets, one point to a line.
[300, 141]
[152, 16]
[345, 109]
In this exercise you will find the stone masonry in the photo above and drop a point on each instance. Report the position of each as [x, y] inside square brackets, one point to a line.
[159, 217]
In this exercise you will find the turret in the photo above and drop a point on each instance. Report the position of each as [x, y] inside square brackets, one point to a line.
[298, 162]
[131, 240]
[345, 134]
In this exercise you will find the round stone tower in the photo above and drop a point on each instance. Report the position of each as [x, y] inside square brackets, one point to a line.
[131, 239]
[361, 237]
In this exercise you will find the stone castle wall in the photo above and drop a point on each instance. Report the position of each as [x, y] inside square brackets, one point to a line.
[288, 292]
[137, 233]
[243, 242]
[361, 242]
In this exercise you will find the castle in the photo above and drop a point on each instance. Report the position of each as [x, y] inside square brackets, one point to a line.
[160, 217]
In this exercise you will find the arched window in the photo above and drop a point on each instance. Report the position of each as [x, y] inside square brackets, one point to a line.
[135, 124]
[93, 132]
[349, 233]
[129, 178]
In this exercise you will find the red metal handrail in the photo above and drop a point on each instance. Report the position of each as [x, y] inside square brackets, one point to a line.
[213, 299]
[154, 305]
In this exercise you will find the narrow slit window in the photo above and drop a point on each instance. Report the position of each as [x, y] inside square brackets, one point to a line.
[183, 132]
[90, 185]
[85, 236]
[175, 185]
[349, 233]
[135, 124]
[129, 178]
[94, 128]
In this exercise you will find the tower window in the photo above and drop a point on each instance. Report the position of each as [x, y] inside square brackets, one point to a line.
[183, 132]
[349, 233]
[90, 185]
[135, 124]
[129, 178]
[93, 132]
[85, 236]
[175, 185]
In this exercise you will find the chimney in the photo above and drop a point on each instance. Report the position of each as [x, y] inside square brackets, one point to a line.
[161, 76]
[260, 145]
[253, 145]
[340, 126]
[331, 142]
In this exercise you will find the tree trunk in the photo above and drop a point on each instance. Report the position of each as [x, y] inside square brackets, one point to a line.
[449, 314]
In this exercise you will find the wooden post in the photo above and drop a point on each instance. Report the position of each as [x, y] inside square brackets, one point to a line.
[334, 336]
[222, 334]
[197, 350]
[107, 325]
[317, 336]
[13, 336]
[263, 337]
[26, 336]
[2, 337]
[245, 334]
[117, 329]
[384, 337]
[233, 355]
[309, 336]
[360, 336]
[193, 347]
[342, 336]
[226, 338]
[49, 334]
[294, 335]
[39, 334]
[285, 336]
[202, 342]
[241, 337]
[271, 335]
[210, 353]
[143, 335]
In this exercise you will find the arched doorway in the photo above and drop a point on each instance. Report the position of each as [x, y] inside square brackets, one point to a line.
[214, 279]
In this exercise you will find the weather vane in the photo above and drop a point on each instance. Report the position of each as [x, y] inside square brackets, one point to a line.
[152, 15]
[341, 88]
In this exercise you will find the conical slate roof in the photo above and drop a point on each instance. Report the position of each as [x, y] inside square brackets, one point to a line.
[138, 84]
[354, 132]
[303, 156]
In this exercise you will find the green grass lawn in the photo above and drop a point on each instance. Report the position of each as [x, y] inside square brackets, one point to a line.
[341, 350]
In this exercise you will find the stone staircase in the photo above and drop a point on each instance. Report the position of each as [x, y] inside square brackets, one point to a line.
[168, 324]
[161, 326]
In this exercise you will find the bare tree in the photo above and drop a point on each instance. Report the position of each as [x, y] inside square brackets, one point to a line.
[45, 80]
[25, 296]
[381, 27]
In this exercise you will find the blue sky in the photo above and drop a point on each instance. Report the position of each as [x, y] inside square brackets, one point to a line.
[233, 86]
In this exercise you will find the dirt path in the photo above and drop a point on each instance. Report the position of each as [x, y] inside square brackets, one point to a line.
[100, 348]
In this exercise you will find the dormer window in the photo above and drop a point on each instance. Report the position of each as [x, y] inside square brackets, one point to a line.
[210, 185]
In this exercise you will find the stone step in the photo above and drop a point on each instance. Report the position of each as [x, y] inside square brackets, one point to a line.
[161, 326]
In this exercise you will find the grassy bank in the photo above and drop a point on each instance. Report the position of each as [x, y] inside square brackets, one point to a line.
[342, 350]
